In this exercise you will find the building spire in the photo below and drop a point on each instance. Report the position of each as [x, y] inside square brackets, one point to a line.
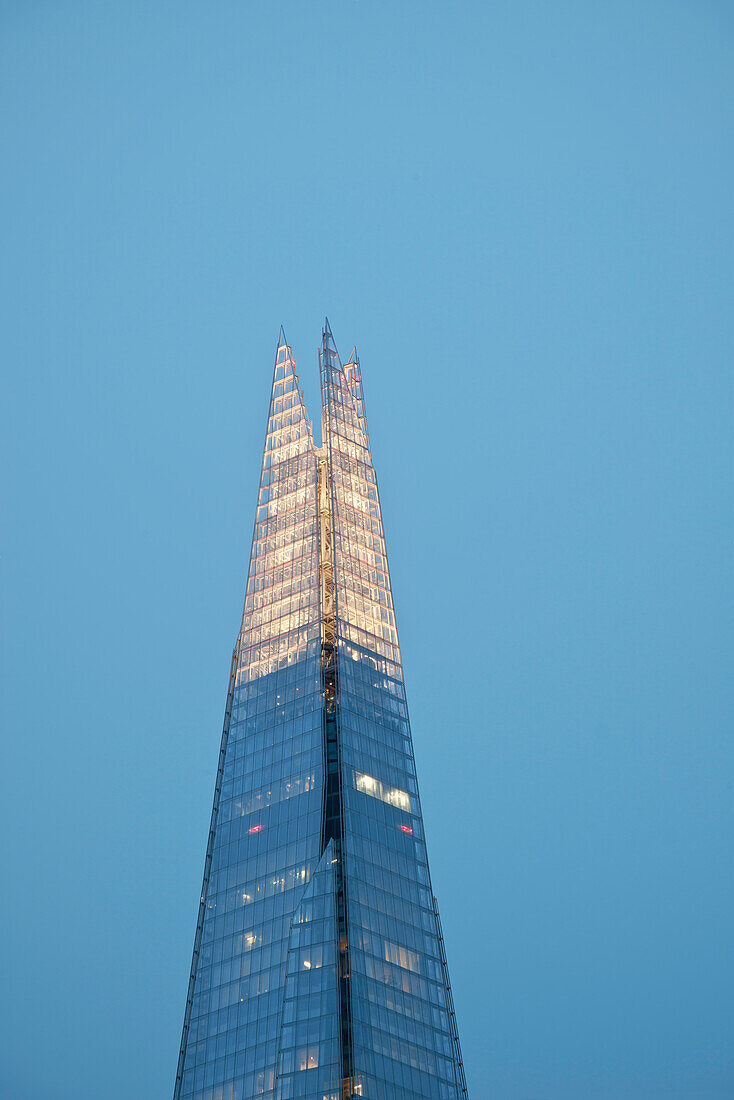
[318, 646]
[353, 375]
[282, 342]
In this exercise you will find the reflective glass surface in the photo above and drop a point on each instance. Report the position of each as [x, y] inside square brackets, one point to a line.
[404, 1038]
[309, 1055]
[266, 825]
[319, 969]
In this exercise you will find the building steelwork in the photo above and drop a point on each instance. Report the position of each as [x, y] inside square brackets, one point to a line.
[319, 969]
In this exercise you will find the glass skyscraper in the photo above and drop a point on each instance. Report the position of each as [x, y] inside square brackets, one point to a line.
[319, 969]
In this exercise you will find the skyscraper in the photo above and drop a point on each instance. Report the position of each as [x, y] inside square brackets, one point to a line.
[319, 969]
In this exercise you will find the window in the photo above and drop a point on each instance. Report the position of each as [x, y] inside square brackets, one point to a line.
[374, 787]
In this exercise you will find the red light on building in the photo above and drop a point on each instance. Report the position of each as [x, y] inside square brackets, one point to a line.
[407, 829]
[257, 828]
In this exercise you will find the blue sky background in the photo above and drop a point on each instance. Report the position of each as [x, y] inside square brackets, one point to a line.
[521, 213]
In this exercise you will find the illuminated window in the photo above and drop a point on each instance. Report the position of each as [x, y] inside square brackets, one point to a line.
[308, 1057]
[401, 956]
[394, 797]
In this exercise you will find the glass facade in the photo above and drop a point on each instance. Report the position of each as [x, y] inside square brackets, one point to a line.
[319, 969]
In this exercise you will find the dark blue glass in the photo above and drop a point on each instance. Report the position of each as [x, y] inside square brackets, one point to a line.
[319, 970]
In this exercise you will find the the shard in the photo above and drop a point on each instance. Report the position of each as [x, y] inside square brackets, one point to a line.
[319, 968]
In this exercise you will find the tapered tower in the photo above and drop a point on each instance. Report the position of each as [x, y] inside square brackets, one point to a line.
[319, 969]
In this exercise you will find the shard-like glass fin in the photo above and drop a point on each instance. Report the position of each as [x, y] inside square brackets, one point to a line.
[265, 836]
[353, 374]
[364, 599]
[403, 1039]
[309, 1058]
[319, 970]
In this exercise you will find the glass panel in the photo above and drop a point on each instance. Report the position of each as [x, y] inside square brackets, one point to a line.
[266, 827]
[318, 975]
[309, 1057]
[404, 1046]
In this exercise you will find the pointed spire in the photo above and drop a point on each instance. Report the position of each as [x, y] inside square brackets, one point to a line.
[328, 346]
[283, 350]
[353, 373]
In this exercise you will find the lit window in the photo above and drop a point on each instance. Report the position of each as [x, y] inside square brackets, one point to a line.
[308, 1057]
[401, 956]
[374, 787]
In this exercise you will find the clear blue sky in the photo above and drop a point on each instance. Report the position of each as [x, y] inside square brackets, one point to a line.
[521, 213]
